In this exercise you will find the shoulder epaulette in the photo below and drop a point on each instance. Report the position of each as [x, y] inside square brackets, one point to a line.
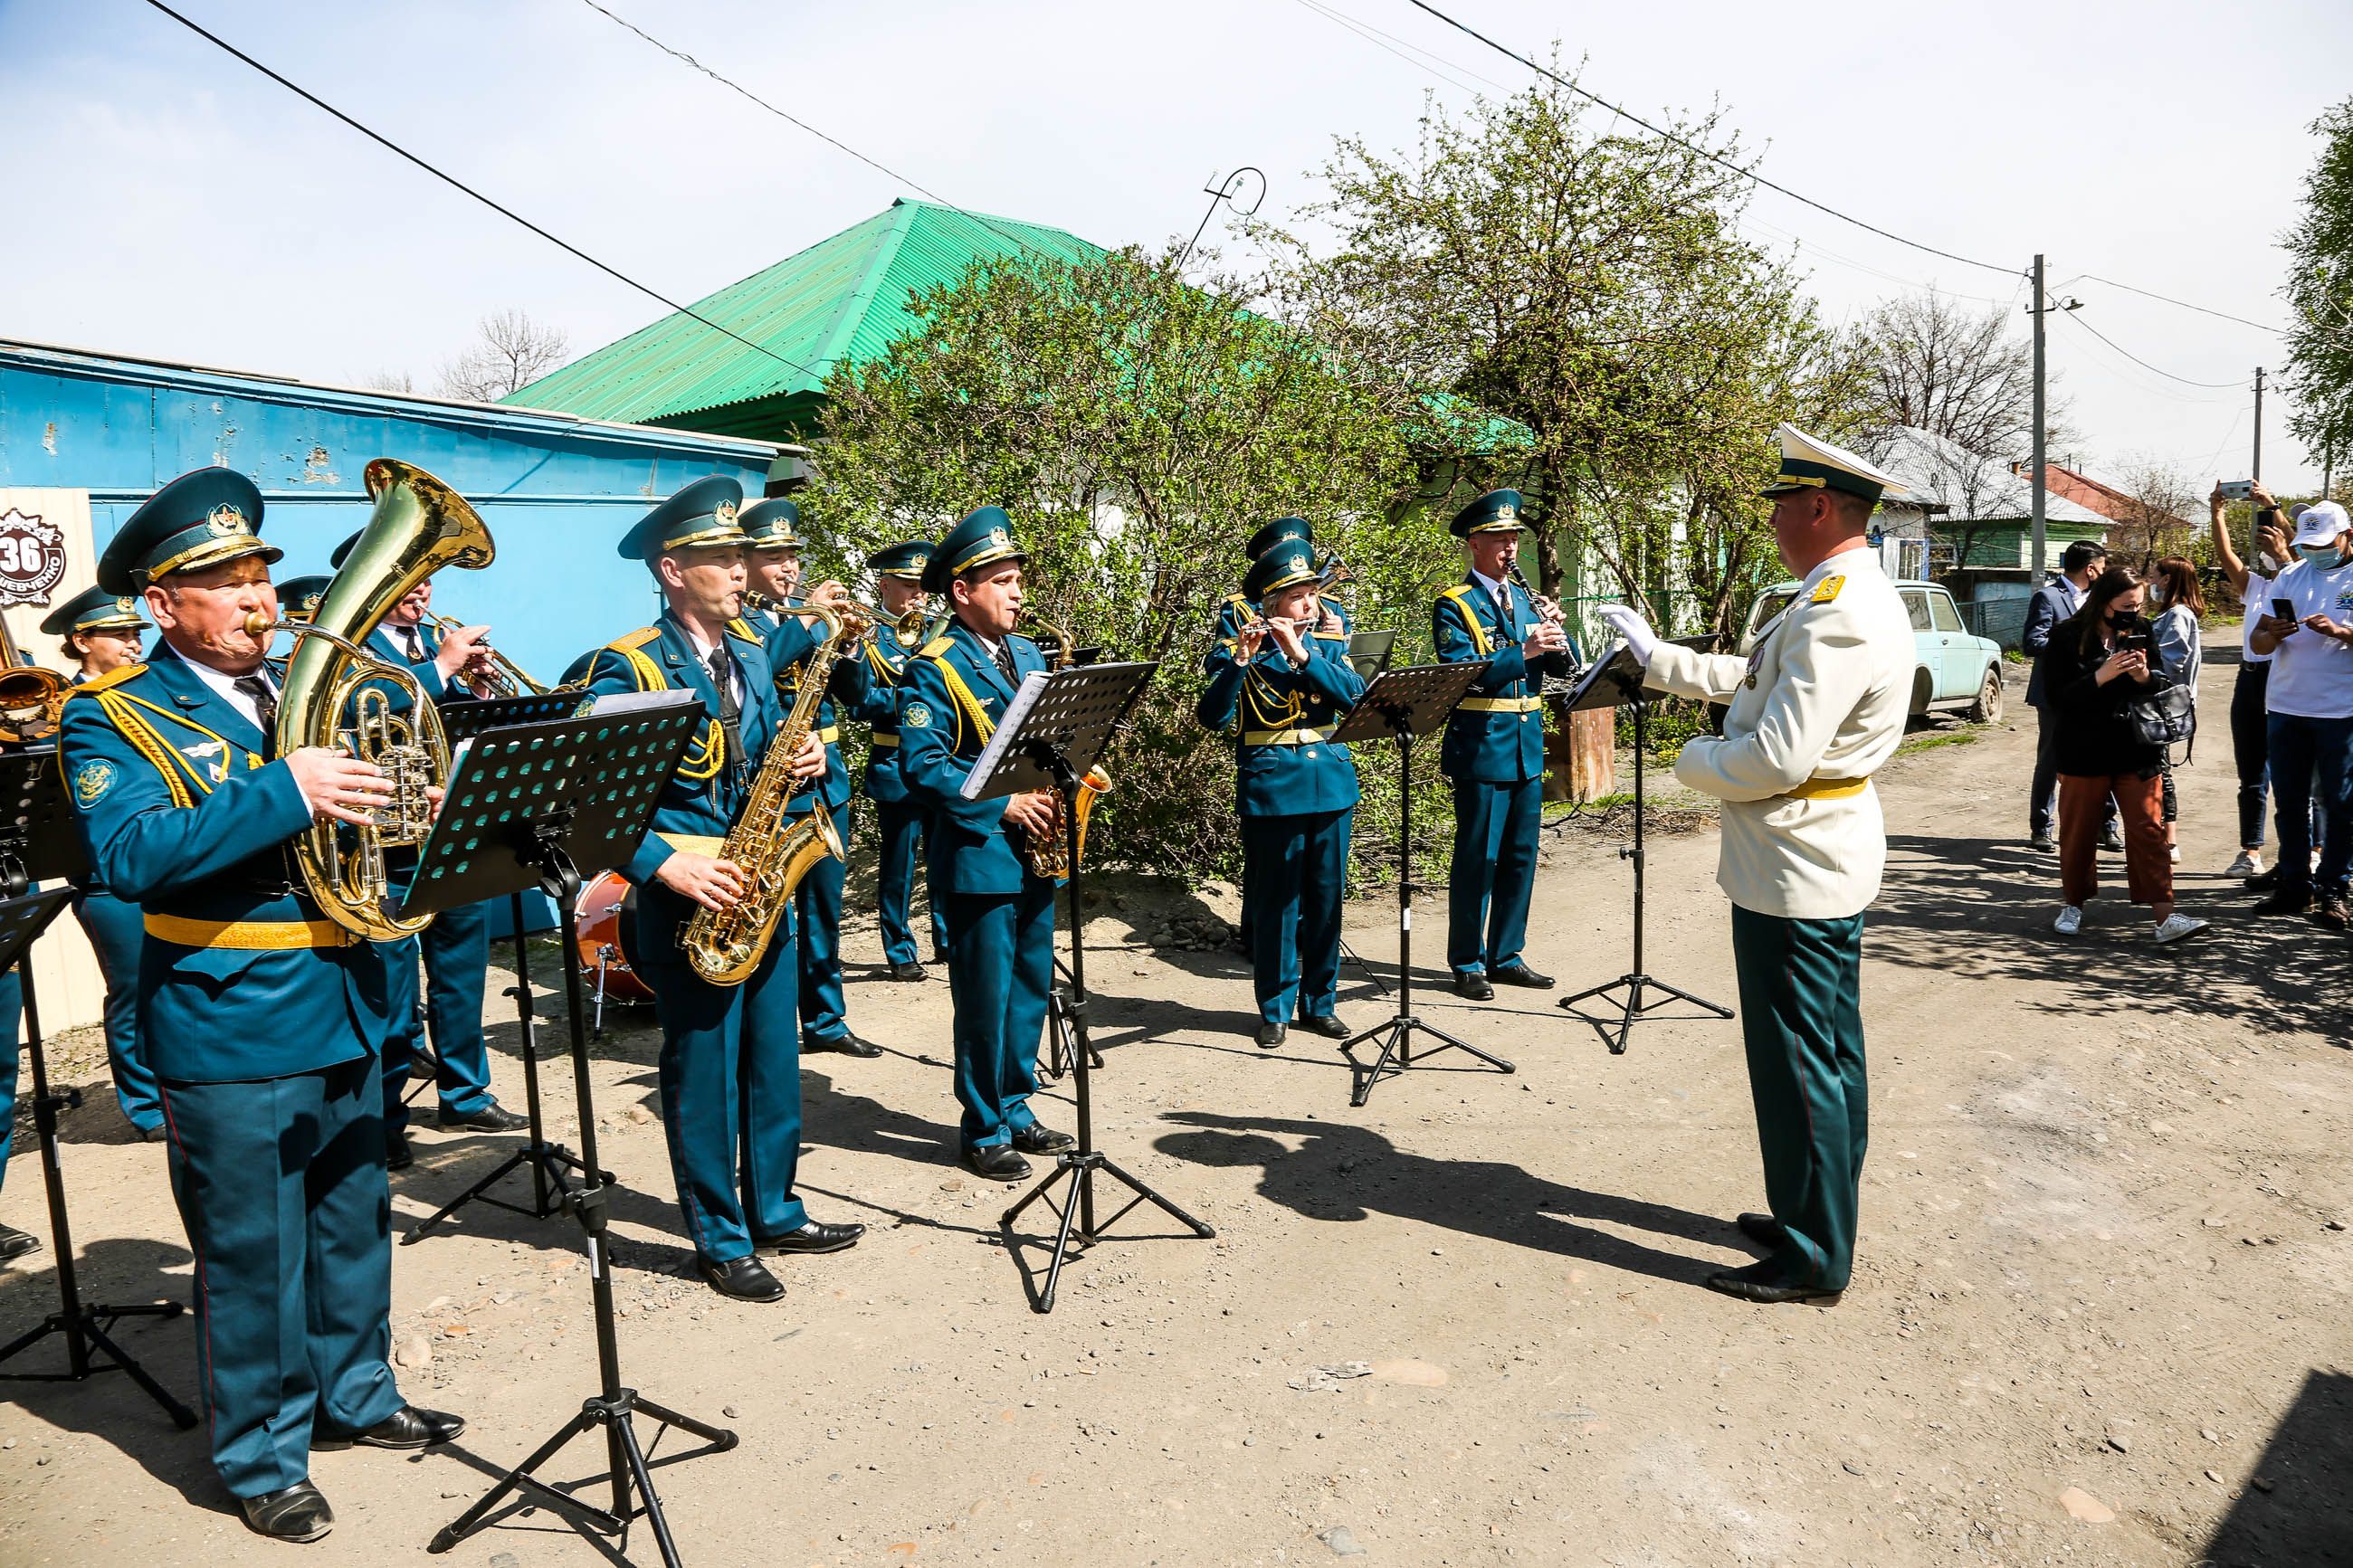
[1828, 589]
[936, 647]
[635, 640]
[741, 630]
[112, 678]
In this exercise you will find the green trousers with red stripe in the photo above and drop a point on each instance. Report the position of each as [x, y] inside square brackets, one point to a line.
[1801, 1017]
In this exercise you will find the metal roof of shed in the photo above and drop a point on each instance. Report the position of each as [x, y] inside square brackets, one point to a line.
[841, 299]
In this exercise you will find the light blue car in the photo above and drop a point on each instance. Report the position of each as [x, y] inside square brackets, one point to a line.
[1955, 669]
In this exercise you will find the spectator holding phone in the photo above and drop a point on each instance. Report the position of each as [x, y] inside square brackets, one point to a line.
[2061, 597]
[2094, 669]
[2178, 602]
[2250, 713]
[2308, 633]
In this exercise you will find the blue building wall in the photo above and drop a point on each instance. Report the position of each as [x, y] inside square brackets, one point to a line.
[556, 491]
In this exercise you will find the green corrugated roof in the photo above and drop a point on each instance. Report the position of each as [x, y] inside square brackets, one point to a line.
[841, 298]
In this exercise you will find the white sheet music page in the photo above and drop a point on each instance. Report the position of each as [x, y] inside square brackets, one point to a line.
[1025, 699]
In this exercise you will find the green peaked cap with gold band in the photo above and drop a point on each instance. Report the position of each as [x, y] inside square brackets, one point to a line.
[701, 516]
[983, 538]
[1286, 565]
[772, 524]
[906, 559]
[1808, 463]
[300, 596]
[94, 610]
[1497, 511]
[199, 519]
[1276, 533]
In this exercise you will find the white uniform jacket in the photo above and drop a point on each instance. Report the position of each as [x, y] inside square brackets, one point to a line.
[1815, 709]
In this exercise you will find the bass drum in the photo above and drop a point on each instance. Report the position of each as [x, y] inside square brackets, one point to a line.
[605, 916]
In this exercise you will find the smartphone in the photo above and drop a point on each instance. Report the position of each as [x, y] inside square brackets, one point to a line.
[2238, 489]
[2283, 610]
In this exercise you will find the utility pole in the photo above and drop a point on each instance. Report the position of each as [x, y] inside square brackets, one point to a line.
[2256, 468]
[2035, 561]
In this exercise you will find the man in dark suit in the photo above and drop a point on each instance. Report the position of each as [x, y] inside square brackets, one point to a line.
[2053, 603]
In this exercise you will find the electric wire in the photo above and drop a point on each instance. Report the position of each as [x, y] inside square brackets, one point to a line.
[451, 180]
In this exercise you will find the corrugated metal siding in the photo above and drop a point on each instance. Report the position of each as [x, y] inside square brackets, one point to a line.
[843, 296]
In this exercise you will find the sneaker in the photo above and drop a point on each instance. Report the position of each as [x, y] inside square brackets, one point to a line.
[2330, 911]
[2042, 841]
[2248, 864]
[2178, 925]
[2173, 853]
[2113, 840]
[2070, 922]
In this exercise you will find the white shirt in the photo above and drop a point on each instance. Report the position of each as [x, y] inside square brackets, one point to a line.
[702, 655]
[2258, 600]
[2312, 676]
[224, 686]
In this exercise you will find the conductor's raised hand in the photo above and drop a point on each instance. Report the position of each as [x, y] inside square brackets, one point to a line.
[335, 784]
[1627, 623]
[717, 885]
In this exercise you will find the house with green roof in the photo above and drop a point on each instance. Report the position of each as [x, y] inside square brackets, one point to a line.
[842, 300]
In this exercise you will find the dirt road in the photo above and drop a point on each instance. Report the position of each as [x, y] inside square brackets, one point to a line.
[2099, 1318]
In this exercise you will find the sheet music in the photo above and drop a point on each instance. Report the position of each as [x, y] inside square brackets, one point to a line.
[1008, 727]
[638, 701]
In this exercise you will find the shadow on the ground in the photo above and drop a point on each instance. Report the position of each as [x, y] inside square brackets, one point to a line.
[1344, 1173]
[2303, 1513]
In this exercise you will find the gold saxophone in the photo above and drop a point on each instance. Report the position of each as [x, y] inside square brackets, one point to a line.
[773, 851]
[334, 693]
[1049, 853]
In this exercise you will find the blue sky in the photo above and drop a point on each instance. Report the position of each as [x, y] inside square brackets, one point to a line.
[164, 199]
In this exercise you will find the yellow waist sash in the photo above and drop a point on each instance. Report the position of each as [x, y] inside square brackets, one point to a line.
[1827, 789]
[250, 936]
[1500, 704]
[693, 843]
[1284, 737]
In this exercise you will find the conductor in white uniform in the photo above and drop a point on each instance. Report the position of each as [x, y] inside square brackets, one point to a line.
[1815, 709]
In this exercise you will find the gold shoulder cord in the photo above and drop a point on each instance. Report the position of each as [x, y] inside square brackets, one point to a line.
[709, 754]
[1461, 594]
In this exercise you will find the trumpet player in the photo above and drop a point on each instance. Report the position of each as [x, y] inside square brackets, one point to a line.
[902, 826]
[730, 1067]
[1493, 749]
[1296, 789]
[260, 1018]
[1000, 913]
[774, 564]
[456, 948]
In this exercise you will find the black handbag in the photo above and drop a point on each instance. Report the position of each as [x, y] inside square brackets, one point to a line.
[2165, 718]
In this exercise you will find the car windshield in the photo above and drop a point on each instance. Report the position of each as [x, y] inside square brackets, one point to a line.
[1771, 603]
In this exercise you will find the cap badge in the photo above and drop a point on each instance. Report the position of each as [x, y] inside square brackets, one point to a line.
[125, 607]
[724, 513]
[1507, 512]
[997, 536]
[225, 520]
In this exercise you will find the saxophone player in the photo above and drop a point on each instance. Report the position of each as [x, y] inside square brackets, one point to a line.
[456, 948]
[260, 1019]
[901, 827]
[730, 1067]
[774, 566]
[1000, 913]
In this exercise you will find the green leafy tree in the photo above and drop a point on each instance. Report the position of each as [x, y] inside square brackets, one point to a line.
[2320, 294]
[1137, 428]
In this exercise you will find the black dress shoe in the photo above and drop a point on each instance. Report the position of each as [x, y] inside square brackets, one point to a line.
[15, 1243]
[2113, 841]
[1271, 1034]
[1039, 1138]
[1766, 1285]
[1327, 1025]
[909, 971]
[410, 1428]
[290, 1513]
[846, 1044]
[1521, 975]
[998, 1163]
[1762, 1228]
[742, 1278]
[155, 1134]
[2261, 881]
[397, 1155]
[812, 1237]
[1474, 984]
[491, 1118]
[2285, 901]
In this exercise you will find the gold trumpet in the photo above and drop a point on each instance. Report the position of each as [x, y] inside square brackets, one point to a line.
[335, 695]
[497, 676]
[31, 698]
[1049, 853]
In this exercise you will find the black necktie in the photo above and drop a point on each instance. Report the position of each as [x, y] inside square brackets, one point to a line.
[1503, 609]
[731, 714]
[264, 703]
[415, 643]
[1005, 663]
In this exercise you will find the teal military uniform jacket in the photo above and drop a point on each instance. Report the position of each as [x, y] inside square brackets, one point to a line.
[1496, 735]
[1284, 765]
[703, 797]
[183, 816]
[954, 693]
[1239, 609]
[887, 656]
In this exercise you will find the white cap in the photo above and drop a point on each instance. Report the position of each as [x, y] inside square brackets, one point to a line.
[2321, 521]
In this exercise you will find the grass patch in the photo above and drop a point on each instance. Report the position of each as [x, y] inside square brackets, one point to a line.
[1936, 738]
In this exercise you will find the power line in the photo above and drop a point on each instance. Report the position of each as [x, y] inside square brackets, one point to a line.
[830, 140]
[2211, 386]
[2184, 304]
[451, 180]
[1404, 50]
[1714, 158]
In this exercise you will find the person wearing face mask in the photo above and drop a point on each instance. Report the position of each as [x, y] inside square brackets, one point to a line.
[2176, 603]
[2250, 728]
[2310, 703]
[1814, 709]
[2097, 669]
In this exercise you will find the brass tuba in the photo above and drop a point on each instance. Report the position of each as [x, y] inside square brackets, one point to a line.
[334, 693]
[31, 698]
[1050, 855]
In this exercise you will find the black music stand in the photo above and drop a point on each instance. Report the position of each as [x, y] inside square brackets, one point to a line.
[1613, 681]
[1402, 704]
[538, 805]
[1048, 741]
[1368, 654]
[1061, 1038]
[550, 1186]
[38, 839]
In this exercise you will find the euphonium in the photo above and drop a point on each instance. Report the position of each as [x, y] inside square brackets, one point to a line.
[1049, 853]
[334, 693]
[773, 850]
[31, 698]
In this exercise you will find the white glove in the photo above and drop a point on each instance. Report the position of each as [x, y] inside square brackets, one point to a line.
[1627, 623]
